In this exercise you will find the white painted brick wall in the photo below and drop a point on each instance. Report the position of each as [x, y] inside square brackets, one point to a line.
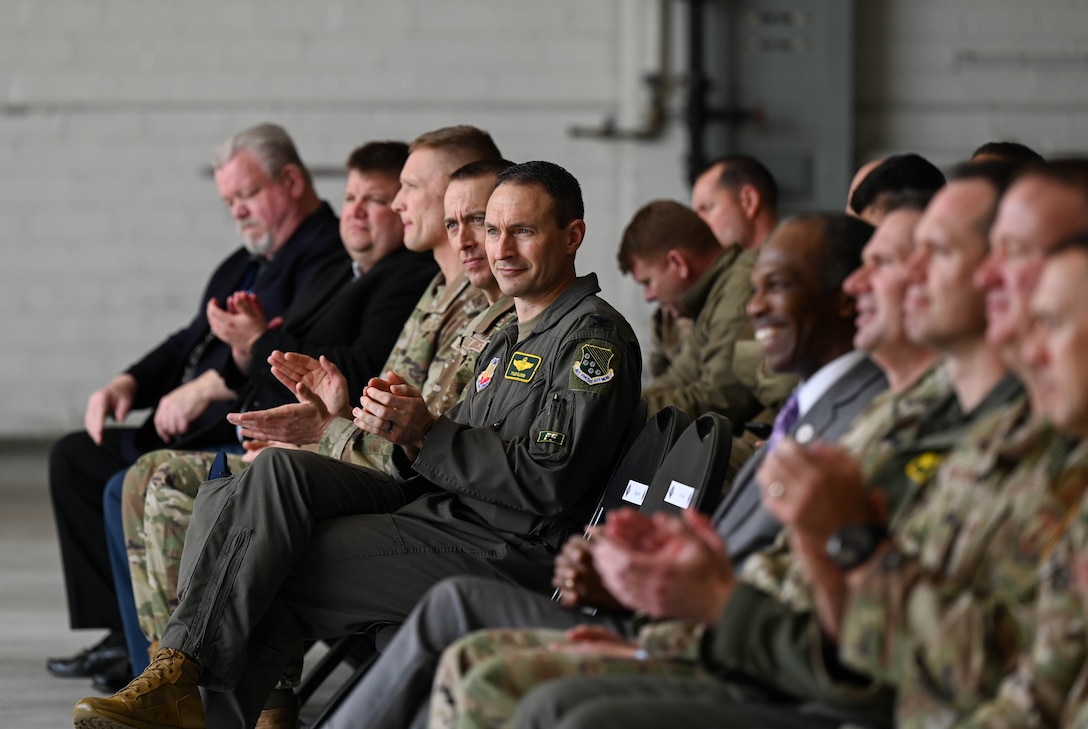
[940, 77]
[109, 110]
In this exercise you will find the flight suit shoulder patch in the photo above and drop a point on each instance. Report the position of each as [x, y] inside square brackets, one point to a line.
[594, 370]
[484, 378]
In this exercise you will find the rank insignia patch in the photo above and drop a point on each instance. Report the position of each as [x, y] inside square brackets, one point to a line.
[593, 368]
[485, 377]
[522, 367]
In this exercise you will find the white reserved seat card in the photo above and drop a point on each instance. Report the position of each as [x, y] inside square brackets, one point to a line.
[635, 492]
[679, 495]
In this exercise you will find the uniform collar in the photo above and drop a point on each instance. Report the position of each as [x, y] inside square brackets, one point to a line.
[692, 301]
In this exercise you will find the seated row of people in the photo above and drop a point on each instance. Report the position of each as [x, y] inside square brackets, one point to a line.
[928, 571]
[296, 546]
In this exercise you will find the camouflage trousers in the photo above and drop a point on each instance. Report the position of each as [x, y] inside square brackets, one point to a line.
[481, 677]
[156, 506]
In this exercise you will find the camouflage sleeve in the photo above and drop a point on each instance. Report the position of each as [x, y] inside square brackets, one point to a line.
[344, 441]
[337, 437]
[763, 638]
[676, 639]
[1048, 685]
[906, 626]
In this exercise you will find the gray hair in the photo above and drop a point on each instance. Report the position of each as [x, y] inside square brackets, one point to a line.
[270, 145]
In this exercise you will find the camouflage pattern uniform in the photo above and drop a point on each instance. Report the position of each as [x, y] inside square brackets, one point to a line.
[481, 677]
[708, 373]
[668, 333]
[945, 613]
[1050, 684]
[156, 504]
[159, 491]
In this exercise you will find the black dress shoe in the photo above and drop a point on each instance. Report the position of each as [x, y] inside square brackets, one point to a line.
[90, 661]
[114, 678]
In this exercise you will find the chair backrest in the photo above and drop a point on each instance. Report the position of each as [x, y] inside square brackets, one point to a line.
[631, 478]
[692, 474]
[644, 455]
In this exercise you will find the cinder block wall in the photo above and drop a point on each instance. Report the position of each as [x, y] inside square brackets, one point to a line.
[941, 77]
[109, 110]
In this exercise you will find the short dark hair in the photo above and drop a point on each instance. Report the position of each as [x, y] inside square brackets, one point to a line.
[739, 170]
[999, 174]
[1069, 171]
[480, 168]
[1075, 242]
[466, 142]
[1007, 151]
[386, 158]
[661, 226]
[895, 174]
[915, 200]
[561, 186]
[846, 237]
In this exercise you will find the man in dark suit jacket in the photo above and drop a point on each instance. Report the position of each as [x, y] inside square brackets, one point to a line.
[805, 323]
[287, 231]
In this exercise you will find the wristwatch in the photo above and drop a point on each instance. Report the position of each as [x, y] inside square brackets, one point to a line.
[853, 545]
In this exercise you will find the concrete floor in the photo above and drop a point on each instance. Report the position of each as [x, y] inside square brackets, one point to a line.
[33, 618]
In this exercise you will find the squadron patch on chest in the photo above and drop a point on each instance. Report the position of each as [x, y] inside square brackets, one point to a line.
[484, 379]
[522, 367]
[593, 368]
[922, 468]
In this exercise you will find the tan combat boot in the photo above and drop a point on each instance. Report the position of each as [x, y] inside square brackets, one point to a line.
[164, 696]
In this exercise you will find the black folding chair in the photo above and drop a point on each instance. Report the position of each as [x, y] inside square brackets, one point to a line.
[362, 649]
[692, 474]
[630, 480]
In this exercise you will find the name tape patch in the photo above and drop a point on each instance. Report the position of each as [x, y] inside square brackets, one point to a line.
[550, 436]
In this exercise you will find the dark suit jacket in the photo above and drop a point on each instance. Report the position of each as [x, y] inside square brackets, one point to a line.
[160, 370]
[740, 518]
[353, 322]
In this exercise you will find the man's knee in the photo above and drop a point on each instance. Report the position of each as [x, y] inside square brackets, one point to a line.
[63, 458]
[547, 704]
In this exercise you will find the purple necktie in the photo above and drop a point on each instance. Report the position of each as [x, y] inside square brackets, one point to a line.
[783, 422]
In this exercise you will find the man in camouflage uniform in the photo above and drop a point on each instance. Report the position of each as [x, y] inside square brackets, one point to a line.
[966, 560]
[1049, 684]
[898, 443]
[674, 256]
[737, 197]
[156, 540]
